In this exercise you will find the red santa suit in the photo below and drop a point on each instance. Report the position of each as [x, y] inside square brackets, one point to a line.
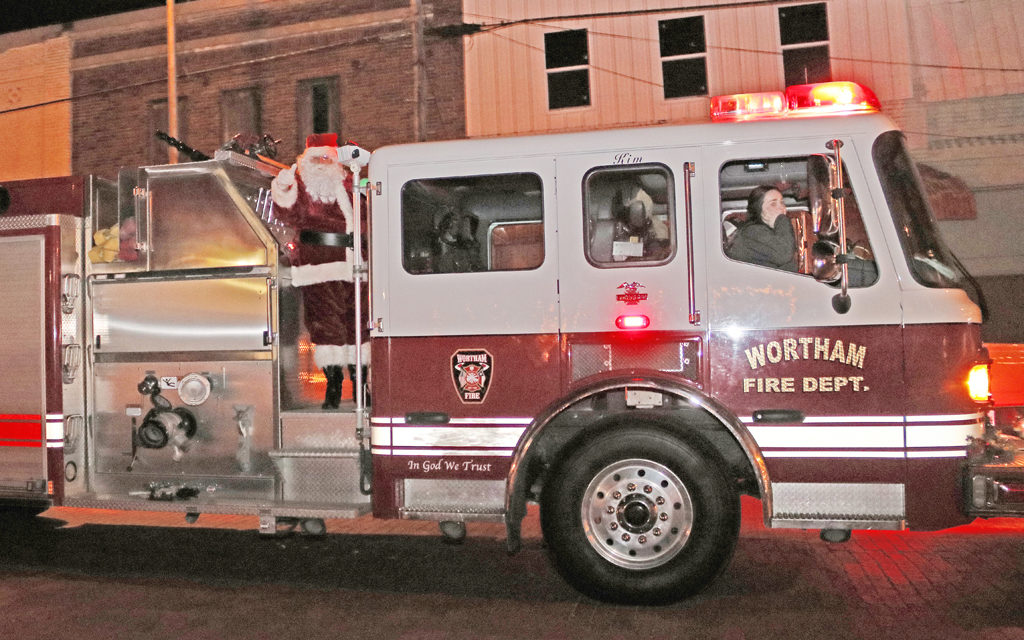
[314, 196]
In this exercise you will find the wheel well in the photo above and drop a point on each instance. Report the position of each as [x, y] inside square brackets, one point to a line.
[607, 411]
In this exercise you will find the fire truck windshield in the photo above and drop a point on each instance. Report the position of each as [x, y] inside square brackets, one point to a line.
[931, 262]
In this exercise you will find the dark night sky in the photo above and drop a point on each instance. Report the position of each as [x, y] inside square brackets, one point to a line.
[16, 15]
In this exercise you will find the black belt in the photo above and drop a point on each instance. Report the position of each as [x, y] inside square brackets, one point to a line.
[325, 238]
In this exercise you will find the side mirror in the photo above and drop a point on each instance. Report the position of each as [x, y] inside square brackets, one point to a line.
[824, 264]
[825, 184]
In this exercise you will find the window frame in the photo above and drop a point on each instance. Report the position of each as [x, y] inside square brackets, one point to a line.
[669, 59]
[804, 46]
[484, 229]
[670, 197]
[857, 221]
[307, 119]
[157, 118]
[229, 99]
[565, 70]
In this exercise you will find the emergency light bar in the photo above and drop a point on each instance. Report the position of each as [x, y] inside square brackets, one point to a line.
[802, 100]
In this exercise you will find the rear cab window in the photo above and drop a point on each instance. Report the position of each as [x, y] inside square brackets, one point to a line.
[627, 216]
[472, 224]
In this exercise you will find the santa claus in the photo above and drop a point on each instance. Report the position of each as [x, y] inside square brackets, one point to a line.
[314, 196]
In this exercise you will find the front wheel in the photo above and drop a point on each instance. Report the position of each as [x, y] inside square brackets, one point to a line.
[639, 516]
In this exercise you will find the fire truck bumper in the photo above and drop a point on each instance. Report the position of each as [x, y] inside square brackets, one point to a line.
[996, 487]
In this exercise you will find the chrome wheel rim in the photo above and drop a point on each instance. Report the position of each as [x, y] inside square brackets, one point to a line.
[637, 514]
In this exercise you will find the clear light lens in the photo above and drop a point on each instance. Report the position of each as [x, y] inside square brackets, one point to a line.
[746, 106]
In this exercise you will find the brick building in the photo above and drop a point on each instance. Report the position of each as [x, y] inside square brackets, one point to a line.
[369, 70]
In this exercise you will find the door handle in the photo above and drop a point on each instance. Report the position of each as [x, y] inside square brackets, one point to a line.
[427, 417]
[763, 416]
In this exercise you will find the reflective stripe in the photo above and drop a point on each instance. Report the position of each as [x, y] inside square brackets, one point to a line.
[846, 453]
[946, 418]
[380, 436]
[951, 453]
[495, 453]
[957, 417]
[508, 420]
[446, 436]
[886, 436]
[942, 435]
[55, 427]
[837, 419]
[933, 436]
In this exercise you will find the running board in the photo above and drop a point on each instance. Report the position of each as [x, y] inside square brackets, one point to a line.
[862, 524]
[449, 515]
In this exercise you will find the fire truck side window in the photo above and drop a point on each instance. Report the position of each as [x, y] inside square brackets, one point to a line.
[627, 213]
[472, 223]
[742, 181]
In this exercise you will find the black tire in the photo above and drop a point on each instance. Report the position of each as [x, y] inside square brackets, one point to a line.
[638, 516]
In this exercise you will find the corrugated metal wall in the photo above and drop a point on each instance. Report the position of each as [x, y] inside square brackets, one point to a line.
[506, 79]
[35, 141]
[969, 49]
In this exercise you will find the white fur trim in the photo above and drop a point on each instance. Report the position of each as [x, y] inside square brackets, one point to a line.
[327, 354]
[334, 354]
[284, 188]
[307, 274]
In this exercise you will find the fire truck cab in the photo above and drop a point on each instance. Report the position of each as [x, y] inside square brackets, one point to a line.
[561, 319]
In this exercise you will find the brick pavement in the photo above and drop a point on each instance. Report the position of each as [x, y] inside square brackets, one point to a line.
[965, 583]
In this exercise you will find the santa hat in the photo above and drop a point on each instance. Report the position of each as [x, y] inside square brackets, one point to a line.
[322, 140]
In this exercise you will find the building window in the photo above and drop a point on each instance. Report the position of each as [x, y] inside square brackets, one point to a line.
[627, 216]
[804, 37]
[566, 59]
[473, 223]
[240, 113]
[156, 119]
[318, 107]
[684, 69]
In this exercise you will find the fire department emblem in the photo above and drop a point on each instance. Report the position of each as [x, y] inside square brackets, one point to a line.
[631, 293]
[471, 373]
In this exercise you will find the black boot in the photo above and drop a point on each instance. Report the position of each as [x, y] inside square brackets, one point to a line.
[335, 376]
[366, 388]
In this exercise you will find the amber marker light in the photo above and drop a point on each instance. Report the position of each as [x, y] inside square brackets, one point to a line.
[637, 321]
[977, 383]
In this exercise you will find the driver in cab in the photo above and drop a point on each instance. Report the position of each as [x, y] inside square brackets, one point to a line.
[766, 238]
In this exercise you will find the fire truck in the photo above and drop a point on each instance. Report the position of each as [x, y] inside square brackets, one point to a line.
[553, 319]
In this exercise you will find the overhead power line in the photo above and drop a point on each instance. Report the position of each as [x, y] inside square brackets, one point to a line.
[543, 22]
[628, 12]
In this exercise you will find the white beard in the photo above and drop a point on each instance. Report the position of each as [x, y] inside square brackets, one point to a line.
[322, 181]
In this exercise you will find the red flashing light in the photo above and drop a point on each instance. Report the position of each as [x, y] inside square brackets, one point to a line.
[823, 98]
[831, 97]
[633, 322]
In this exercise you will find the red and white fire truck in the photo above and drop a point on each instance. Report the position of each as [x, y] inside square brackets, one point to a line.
[553, 319]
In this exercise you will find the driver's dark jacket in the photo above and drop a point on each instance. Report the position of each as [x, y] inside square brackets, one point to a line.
[758, 243]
